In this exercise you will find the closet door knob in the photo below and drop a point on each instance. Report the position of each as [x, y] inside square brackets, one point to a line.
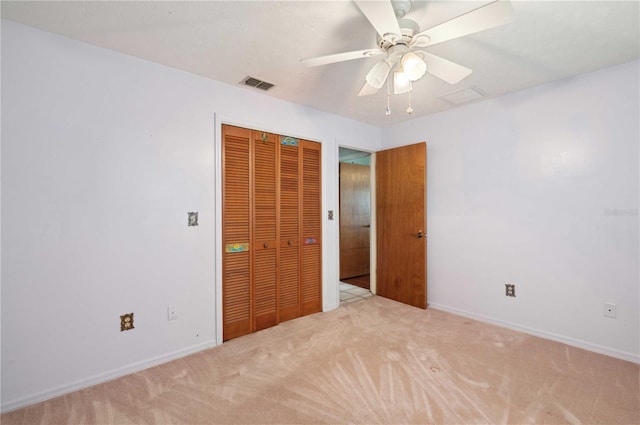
[289, 243]
[266, 245]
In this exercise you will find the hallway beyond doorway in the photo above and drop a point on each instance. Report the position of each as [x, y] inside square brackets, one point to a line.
[363, 281]
[350, 293]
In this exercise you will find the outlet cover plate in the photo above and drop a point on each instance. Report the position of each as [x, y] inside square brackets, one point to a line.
[171, 312]
[510, 289]
[610, 310]
[126, 322]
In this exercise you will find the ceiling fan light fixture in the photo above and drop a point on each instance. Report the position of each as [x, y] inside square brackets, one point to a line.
[413, 65]
[401, 83]
[378, 74]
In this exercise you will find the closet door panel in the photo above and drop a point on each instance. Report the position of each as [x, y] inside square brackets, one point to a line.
[264, 193]
[265, 229]
[311, 280]
[265, 278]
[311, 288]
[289, 230]
[236, 216]
[237, 314]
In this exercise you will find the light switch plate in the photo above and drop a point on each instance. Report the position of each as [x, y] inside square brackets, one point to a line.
[193, 219]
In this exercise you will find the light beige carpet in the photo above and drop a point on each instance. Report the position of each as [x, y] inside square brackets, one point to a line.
[373, 361]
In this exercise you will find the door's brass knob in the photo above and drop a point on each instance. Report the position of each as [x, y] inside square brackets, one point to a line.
[419, 234]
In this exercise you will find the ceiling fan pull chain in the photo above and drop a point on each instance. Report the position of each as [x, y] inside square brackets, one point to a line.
[387, 112]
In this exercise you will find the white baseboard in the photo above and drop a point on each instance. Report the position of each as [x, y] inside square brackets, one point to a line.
[631, 357]
[137, 367]
[103, 377]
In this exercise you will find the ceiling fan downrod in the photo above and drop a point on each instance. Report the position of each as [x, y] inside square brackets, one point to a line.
[401, 7]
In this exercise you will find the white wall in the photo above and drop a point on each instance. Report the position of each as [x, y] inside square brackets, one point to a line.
[103, 155]
[538, 188]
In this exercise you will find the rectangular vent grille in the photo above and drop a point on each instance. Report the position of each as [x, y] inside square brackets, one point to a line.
[463, 96]
[259, 84]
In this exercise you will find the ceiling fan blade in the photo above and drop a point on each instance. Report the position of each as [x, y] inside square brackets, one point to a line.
[381, 15]
[341, 57]
[444, 69]
[367, 90]
[483, 18]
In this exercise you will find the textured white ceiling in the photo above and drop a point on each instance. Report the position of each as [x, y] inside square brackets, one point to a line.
[229, 40]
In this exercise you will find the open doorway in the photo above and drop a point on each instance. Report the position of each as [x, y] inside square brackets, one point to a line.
[355, 224]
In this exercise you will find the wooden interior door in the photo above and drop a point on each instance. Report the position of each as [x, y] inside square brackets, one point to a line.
[311, 285]
[237, 293]
[401, 224]
[355, 219]
[265, 241]
[290, 181]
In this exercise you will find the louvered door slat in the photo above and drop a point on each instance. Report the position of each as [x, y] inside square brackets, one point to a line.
[265, 230]
[289, 283]
[264, 288]
[236, 289]
[311, 284]
[236, 266]
[311, 288]
[289, 232]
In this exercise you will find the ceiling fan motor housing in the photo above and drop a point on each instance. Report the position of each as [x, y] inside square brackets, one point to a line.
[408, 29]
[395, 53]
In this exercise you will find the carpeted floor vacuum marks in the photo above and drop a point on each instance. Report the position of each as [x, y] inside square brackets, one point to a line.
[371, 361]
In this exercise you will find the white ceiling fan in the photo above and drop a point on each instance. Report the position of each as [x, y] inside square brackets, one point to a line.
[402, 42]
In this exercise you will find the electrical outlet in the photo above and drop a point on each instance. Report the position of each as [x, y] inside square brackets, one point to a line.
[126, 322]
[171, 312]
[610, 310]
[510, 289]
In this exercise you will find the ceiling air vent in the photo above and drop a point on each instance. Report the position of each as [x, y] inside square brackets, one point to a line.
[463, 96]
[259, 84]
